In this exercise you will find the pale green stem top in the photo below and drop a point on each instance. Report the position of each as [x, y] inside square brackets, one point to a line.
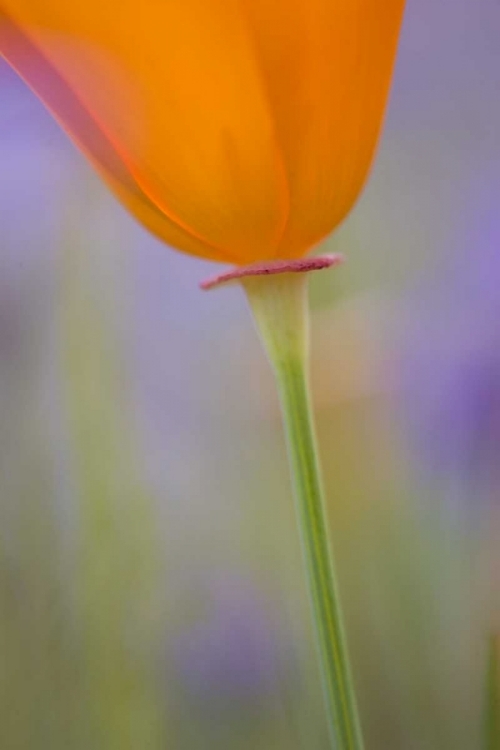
[279, 305]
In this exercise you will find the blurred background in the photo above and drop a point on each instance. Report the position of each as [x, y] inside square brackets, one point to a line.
[151, 593]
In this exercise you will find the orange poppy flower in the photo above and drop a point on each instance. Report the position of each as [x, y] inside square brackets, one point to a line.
[235, 130]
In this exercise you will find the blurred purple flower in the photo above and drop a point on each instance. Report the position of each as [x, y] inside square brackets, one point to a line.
[451, 363]
[232, 657]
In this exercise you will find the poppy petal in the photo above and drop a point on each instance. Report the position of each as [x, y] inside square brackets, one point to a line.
[175, 87]
[327, 64]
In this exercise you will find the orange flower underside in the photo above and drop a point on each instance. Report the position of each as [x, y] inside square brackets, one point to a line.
[236, 130]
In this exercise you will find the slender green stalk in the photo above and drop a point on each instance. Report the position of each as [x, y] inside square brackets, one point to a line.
[492, 697]
[279, 304]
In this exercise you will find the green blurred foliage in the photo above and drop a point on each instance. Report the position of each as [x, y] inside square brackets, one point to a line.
[81, 606]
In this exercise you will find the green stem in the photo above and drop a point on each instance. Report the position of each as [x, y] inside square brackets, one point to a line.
[492, 696]
[279, 305]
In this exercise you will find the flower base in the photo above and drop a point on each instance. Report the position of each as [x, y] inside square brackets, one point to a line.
[267, 268]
